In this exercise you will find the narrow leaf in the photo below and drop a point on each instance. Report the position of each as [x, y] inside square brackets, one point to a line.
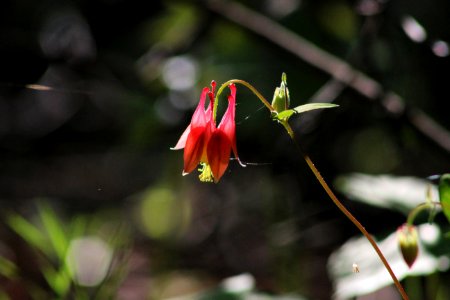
[444, 194]
[31, 234]
[7, 268]
[284, 115]
[312, 106]
[55, 231]
[59, 281]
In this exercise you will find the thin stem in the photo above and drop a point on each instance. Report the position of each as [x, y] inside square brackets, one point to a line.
[418, 209]
[346, 212]
[319, 177]
[413, 213]
[247, 85]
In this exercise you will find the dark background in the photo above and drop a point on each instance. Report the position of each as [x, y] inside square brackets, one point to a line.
[99, 139]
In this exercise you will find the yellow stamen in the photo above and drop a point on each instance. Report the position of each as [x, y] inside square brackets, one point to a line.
[206, 175]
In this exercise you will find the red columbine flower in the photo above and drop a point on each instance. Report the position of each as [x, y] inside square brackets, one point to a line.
[206, 144]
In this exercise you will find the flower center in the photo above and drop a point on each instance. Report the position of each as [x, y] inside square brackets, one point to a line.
[206, 174]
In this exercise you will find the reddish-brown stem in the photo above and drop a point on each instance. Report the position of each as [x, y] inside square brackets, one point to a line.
[322, 182]
[346, 212]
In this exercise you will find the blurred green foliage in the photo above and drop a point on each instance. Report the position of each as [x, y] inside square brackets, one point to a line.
[52, 242]
[444, 194]
[123, 78]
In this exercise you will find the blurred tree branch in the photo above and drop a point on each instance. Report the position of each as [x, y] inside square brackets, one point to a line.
[342, 73]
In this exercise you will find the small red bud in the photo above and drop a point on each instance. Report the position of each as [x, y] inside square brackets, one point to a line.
[408, 240]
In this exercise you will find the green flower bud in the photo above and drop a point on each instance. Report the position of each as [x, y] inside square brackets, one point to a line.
[281, 100]
[408, 240]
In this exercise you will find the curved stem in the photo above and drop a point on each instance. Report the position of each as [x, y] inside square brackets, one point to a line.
[247, 85]
[346, 212]
[413, 213]
[418, 209]
[319, 177]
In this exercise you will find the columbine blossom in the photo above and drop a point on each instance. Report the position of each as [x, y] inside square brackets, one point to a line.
[205, 143]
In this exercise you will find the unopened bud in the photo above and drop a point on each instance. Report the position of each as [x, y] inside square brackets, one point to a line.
[408, 240]
[281, 100]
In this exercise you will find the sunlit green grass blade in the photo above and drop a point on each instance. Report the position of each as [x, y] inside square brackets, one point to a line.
[55, 230]
[7, 268]
[31, 234]
[58, 281]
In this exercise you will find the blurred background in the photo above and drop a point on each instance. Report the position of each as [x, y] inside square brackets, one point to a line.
[94, 93]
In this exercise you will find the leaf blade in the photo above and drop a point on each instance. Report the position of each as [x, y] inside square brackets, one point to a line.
[313, 106]
[444, 194]
[31, 234]
[55, 230]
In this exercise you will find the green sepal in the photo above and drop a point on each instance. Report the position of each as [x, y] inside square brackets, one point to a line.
[281, 99]
[286, 114]
[444, 194]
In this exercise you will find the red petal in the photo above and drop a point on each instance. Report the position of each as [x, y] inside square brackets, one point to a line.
[182, 141]
[199, 119]
[227, 124]
[218, 151]
[213, 86]
[199, 116]
[194, 148]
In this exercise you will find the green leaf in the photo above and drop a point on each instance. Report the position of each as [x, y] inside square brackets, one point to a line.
[59, 281]
[55, 230]
[286, 114]
[7, 268]
[312, 106]
[444, 194]
[31, 234]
